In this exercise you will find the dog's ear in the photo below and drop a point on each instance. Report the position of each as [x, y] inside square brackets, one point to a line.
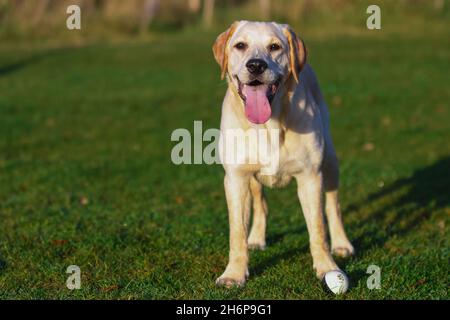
[220, 48]
[297, 52]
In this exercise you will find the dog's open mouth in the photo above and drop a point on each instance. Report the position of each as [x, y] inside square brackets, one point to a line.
[257, 97]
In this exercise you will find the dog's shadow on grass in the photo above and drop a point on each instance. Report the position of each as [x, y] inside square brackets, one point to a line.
[403, 206]
[286, 254]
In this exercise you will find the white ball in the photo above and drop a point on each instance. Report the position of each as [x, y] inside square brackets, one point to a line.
[336, 281]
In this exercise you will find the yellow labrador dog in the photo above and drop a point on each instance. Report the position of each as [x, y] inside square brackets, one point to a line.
[272, 88]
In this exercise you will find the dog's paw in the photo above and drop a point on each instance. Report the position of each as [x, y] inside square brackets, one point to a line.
[256, 246]
[256, 241]
[322, 267]
[227, 282]
[343, 251]
[231, 279]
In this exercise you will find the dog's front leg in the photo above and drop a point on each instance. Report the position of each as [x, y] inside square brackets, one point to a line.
[310, 188]
[236, 191]
[257, 236]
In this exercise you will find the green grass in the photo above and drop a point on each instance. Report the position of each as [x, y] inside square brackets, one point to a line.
[92, 124]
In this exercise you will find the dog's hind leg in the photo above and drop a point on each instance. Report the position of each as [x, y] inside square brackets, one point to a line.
[257, 237]
[340, 245]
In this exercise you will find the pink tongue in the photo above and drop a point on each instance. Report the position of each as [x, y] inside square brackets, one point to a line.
[257, 106]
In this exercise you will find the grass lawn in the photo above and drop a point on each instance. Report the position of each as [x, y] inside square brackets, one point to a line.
[86, 176]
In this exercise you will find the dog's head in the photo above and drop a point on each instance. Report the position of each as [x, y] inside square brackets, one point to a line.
[258, 58]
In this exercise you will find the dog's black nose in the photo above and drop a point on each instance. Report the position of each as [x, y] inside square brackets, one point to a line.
[256, 66]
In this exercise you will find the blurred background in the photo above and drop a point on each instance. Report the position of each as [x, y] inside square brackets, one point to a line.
[133, 19]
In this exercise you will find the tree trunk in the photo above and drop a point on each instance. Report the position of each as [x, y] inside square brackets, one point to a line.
[149, 11]
[39, 12]
[265, 9]
[208, 13]
[194, 5]
[439, 5]
[295, 11]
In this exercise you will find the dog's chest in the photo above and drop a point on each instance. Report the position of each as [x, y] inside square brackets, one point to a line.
[273, 157]
[279, 172]
[274, 181]
[278, 168]
[289, 160]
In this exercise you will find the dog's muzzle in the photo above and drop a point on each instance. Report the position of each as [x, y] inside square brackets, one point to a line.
[257, 97]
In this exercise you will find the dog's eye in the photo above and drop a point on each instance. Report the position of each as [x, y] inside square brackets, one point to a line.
[274, 47]
[240, 46]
